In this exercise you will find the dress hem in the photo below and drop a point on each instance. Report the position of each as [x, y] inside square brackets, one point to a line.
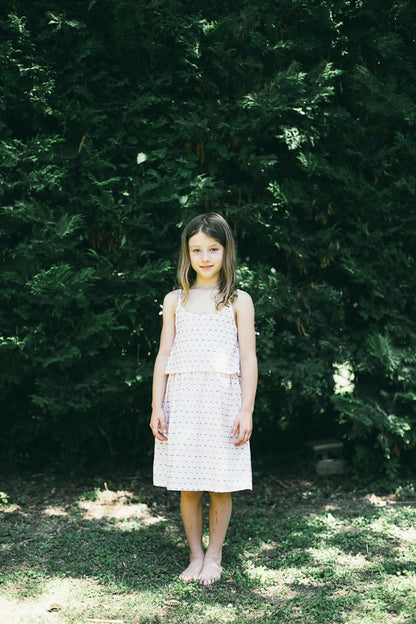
[216, 491]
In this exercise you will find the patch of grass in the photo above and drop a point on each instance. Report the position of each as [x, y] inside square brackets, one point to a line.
[406, 491]
[91, 495]
[303, 554]
[4, 499]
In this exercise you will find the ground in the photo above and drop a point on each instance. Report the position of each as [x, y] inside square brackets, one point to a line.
[108, 550]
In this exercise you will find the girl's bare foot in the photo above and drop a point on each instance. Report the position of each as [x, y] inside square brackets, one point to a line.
[211, 572]
[192, 572]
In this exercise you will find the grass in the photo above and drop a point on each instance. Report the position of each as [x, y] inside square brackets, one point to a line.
[302, 552]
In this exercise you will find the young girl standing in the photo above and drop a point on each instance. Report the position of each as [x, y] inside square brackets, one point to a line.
[204, 386]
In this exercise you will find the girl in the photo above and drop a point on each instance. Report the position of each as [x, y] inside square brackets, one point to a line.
[204, 385]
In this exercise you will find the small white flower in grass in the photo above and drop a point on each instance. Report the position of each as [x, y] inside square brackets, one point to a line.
[141, 158]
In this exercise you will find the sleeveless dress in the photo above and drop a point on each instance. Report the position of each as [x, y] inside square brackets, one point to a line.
[202, 400]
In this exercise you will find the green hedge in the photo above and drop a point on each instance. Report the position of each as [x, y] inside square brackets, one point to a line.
[119, 122]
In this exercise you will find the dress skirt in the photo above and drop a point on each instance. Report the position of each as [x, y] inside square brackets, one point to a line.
[199, 455]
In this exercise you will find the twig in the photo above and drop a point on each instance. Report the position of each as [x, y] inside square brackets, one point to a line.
[287, 487]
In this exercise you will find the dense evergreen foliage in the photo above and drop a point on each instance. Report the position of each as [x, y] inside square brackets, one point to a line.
[121, 120]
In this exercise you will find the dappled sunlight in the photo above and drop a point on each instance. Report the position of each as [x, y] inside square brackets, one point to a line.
[269, 577]
[17, 612]
[377, 501]
[98, 505]
[118, 505]
[406, 537]
[334, 556]
[391, 602]
[54, 597]
[353, 562]
[55, 511]
[277, 592]
[83, 600]
[267, 547]
[262, 574]
[408, 534]
[220, 613]
[9, 509]
[87, 553]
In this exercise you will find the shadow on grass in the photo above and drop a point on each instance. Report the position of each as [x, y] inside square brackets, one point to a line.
[287, 559]
[70, 543]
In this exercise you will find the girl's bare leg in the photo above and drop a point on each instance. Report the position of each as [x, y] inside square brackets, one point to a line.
[191, 510]
[219, 518]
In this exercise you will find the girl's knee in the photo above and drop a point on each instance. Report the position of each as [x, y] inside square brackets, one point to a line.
[191, 495]
[220, 496]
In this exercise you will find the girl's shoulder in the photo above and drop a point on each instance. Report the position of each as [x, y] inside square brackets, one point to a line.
[243, 297]
[171, 299]
[243, 301]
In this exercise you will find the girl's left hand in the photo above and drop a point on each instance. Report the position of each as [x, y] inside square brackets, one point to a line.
[242, 428]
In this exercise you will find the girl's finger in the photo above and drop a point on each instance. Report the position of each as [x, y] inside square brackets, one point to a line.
[162, 431]
[159, 431]
[240, 440]
[243, 438]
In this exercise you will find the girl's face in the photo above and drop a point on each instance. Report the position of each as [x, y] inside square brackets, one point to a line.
[206, 255]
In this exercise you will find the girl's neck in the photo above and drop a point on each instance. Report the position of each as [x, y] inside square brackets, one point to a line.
[201, 299]
[205, 285]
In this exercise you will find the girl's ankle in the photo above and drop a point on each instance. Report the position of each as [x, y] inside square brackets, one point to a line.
[214, 557]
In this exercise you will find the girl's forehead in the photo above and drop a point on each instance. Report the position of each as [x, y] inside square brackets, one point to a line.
[202, 239]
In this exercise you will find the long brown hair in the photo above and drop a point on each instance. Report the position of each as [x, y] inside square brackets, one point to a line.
[216, 227]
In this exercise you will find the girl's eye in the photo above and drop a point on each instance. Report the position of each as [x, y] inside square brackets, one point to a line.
[214, 249]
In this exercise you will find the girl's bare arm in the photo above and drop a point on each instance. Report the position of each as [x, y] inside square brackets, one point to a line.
[244, 309]
[157, 420]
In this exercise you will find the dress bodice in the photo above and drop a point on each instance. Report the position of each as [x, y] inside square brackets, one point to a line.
[204, 342]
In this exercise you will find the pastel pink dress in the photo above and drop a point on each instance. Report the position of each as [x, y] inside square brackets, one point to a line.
[202, 400]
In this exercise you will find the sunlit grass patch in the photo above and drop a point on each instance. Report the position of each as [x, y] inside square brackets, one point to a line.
[79, 600]
[390, 601]
[116, 553]
[118, 505]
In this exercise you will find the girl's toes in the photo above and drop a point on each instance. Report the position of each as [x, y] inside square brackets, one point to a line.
[192, 572]
[210, 573]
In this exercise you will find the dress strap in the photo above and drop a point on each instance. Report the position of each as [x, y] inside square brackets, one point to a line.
[232, 313]
[180, 298]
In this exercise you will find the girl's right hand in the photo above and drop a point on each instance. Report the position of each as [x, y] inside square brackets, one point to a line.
[158, 424]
